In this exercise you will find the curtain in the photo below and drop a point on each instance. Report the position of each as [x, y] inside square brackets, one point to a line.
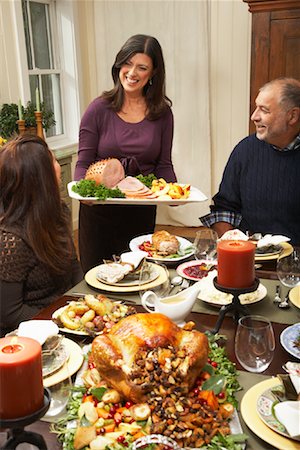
[181, 27]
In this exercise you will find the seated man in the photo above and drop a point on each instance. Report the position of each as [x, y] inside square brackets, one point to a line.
[260, 188]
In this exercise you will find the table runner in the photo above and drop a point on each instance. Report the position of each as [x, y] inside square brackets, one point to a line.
[247, 380]
[265, 307]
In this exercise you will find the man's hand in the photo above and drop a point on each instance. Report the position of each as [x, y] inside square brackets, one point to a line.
[221, 227]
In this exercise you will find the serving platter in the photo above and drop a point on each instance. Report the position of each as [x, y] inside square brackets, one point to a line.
[91, 279]
[288, 336]
[294, 296]
[256, 424]
[287, 249]
[72, 365]
[183, 245]
[195, 196]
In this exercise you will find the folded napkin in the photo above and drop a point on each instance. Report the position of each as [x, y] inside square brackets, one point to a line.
[39, 330]
[288, 413]
[133, 258]
[234, 235]
[270, 239]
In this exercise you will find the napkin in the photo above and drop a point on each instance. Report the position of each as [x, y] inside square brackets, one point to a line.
[133, 258]
[39, 330]
[234, 235]
[288, 413]
[270, 239]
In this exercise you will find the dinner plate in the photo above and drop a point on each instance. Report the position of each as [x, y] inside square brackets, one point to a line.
[196, 196]
[135, 282]
[91, 279]
[294, 296]
[184, 244]
[181, 269]
[254, 422]
[287, 250]
[265, 409]
[218, 298]
[288, 336]
[72, 365]
[54, 360]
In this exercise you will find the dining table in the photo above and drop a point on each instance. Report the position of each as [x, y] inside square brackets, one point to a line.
[204, 316]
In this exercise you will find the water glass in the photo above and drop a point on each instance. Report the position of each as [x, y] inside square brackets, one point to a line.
[205, 244]
[288, 269]
[254, 343]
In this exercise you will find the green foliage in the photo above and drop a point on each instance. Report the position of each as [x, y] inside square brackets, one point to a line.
[8, 120]
[9, 116]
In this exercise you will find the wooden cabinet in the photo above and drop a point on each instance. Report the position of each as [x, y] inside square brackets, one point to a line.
[275, 47]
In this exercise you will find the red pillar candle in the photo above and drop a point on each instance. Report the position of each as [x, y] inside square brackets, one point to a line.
[21, 380]
[236, 264]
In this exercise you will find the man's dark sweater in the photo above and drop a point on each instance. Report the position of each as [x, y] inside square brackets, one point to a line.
[263, 185]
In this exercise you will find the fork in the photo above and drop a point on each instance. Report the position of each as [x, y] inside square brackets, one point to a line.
[277, 298]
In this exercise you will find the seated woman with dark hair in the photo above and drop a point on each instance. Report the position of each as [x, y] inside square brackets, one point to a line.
[38, 261]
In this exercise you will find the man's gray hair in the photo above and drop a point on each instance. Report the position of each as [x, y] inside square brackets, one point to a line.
[290, 90]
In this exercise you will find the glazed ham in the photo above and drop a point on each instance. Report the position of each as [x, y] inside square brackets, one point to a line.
[117, 355]
[108, 172]
[133, 188]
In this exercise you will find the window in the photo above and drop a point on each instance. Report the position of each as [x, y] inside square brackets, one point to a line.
[42, 58]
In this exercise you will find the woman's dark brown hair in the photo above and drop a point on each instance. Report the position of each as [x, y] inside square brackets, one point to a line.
[30, 199]
[155, 93]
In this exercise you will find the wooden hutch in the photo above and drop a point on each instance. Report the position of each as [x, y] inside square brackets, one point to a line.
[275, 47]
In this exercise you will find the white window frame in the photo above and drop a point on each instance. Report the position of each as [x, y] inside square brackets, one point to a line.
[67, 53]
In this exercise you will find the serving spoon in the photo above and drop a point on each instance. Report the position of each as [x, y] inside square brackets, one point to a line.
[178, 281]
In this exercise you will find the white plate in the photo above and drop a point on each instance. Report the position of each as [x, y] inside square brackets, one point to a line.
[196, 196]
[288, 336]
[184, 243]
[287, 250]
[74, 363]
[180, 269]
[254, 422]
[91, 279]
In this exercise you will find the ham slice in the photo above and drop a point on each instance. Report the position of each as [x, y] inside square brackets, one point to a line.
[108, 172]
[133, 188]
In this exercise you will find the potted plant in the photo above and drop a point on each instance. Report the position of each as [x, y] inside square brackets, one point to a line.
[9, 116]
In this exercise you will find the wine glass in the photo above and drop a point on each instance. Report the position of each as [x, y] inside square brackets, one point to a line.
[205, 244]
[60, 393]
[254, 343]
[288, 269]
[148, 273]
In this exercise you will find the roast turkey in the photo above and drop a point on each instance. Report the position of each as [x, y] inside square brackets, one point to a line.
[143, 350]
[107, 172]
[165, 243]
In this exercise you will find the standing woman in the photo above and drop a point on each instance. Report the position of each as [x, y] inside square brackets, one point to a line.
[38, 261]
[132, 122]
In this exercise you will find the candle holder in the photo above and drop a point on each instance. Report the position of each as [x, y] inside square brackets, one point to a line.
[17, 434]
[235, 306]
[39, 124]
[21, 126]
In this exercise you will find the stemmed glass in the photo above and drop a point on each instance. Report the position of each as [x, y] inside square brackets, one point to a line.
[254, 343]
[146, 275]
[60, 393]
[288, 269]
[205, 244]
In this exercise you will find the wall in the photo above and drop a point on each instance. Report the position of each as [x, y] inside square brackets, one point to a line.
[227, 33]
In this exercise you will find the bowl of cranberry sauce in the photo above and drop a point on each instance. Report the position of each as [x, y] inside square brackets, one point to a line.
[196, 270]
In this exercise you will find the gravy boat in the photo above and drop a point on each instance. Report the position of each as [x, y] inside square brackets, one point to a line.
[177, 307]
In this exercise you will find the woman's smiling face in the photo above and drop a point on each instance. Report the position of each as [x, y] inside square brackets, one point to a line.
[135, 73]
